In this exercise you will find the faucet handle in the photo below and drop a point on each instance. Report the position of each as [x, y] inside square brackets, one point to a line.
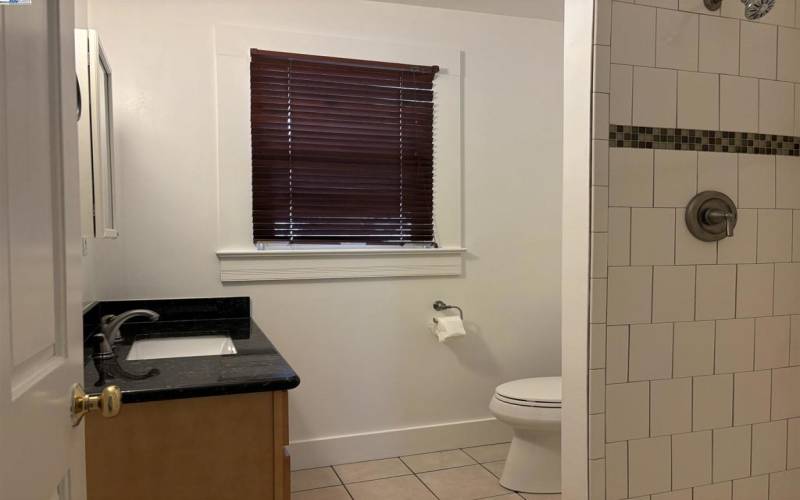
[105, 321]
[729, 224]
[715, 216]
[102, 347]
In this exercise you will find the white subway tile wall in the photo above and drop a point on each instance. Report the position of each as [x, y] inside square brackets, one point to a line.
[633, 29]
[738, 96]
[769, 447]
[616, 471]
[751, 487]
[772, 342]
[655, 96]
[797, 110]
[713, 402]
[731, 458]
[756, 181]
[787, 180]
[793, 455]
[621, 104]
[719, 491]
[691, 459]
[617, 344]
[718, 171]
[758, 49]
[675, 177]
[602, 60]
[676, 40]
[698, 100]
[671, 406]
[719, 45]
[650, 466]
[775, 109]
[784, 485]
[695, 346]
[694, 349]
[600, 113]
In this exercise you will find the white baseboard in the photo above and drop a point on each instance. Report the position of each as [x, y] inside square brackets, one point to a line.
[396, 442]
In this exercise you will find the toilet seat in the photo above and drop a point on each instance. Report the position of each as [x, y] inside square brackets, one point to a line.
[538, 392]
[530, 404]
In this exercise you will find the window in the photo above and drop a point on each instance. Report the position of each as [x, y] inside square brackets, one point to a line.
[342, 150]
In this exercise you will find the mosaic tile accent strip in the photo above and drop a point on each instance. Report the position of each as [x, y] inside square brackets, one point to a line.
[720, 141]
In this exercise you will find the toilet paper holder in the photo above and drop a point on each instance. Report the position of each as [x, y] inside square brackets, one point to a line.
[441, 306]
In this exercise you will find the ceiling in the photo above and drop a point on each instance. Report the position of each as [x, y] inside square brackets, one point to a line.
[540, 9]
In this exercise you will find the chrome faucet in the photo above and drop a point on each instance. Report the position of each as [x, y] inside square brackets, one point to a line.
[110, 324]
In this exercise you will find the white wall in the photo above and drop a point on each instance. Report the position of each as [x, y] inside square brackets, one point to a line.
[361, 347]
[81, 13]
[88, 294]
[578, 21]
[539, 9]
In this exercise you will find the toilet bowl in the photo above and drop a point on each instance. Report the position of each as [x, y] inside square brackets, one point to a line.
[532, 407]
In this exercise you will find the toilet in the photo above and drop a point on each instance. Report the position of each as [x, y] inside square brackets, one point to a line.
[532, 407]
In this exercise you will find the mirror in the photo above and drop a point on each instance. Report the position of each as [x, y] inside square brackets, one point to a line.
[104, 132]
[95, 138]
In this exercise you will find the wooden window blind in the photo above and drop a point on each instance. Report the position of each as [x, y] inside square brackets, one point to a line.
[342, 150]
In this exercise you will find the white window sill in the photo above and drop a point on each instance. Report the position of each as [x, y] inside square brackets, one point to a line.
[337, 263]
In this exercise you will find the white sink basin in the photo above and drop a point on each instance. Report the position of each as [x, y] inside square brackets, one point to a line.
[181, 347]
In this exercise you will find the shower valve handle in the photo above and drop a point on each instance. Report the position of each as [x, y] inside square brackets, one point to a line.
[715, 216]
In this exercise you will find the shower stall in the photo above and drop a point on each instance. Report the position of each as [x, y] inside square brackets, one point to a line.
[694, 335]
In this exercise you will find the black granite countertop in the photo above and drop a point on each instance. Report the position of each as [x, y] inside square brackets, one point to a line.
[256, 367]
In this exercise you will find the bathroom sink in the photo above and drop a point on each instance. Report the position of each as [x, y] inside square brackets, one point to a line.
[181, 347]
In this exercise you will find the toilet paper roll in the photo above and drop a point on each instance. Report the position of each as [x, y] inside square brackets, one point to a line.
[448, 327]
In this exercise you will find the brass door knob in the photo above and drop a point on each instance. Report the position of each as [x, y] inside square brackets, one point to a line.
[108, 402]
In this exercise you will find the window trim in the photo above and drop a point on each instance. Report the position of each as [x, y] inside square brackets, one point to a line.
[237, 255]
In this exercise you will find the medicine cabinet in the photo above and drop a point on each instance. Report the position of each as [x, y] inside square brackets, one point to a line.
[95, 137]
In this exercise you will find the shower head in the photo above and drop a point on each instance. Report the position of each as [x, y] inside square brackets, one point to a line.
[753, 9]
[756, 9]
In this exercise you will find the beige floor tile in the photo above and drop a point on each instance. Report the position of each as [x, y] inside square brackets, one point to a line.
[464, 483]
[535, 496]
[439, 460]
[489, 453]
[395, 488]
[507, 496]
[332, 493]
[374, 469]
[310, 479]
[496, 468]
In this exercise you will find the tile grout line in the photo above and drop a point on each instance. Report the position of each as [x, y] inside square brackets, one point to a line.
[339, 477]
[344, 486]
[425, 485]
[752, 431]
[416, 475]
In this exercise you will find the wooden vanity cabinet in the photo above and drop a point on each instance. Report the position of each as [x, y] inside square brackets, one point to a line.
[205, 448]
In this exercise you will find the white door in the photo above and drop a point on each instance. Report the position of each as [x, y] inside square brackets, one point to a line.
[41, 454]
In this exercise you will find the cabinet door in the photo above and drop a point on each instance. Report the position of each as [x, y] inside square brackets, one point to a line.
[203, 448]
